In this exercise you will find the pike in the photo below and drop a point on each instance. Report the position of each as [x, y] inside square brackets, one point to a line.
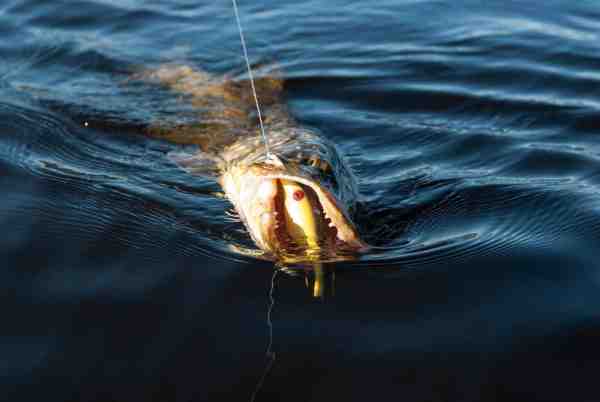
[296, 201]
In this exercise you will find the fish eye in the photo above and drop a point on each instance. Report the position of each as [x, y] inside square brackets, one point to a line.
[320, 164]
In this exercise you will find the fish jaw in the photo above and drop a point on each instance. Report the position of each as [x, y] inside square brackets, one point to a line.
[254, 200]
[290, 216]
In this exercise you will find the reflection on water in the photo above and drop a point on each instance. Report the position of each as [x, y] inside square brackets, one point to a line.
[319, 279]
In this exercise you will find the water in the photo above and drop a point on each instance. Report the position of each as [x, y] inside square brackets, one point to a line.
[471, 128]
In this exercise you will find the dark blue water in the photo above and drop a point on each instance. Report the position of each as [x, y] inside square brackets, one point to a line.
[472, 128]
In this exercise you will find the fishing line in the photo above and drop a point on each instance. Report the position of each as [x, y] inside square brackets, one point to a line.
[262, 129]
[269, 352]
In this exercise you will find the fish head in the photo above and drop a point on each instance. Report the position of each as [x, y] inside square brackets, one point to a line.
[291, 212]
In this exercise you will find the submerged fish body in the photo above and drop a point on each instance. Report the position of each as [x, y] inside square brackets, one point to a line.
[296, 205]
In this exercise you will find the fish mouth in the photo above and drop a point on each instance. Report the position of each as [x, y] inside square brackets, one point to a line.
[305, 222]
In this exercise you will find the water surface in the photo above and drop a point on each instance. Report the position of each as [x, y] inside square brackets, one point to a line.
[472, 130]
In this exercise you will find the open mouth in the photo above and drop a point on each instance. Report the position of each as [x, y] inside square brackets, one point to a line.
[308, 221]
[301, 225]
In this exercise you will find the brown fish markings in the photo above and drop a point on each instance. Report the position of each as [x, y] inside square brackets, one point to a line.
[297, 206]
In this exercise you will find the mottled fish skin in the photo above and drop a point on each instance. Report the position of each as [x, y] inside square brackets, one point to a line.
[231, 146]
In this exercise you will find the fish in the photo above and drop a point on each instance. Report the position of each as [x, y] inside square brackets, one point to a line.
[298, 201]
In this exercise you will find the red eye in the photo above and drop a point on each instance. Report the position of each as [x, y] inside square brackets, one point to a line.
[298, 195]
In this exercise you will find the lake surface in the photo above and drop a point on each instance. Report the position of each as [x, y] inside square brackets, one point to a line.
[472, 128]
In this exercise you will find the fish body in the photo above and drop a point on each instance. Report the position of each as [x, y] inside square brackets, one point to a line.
[296, 203]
